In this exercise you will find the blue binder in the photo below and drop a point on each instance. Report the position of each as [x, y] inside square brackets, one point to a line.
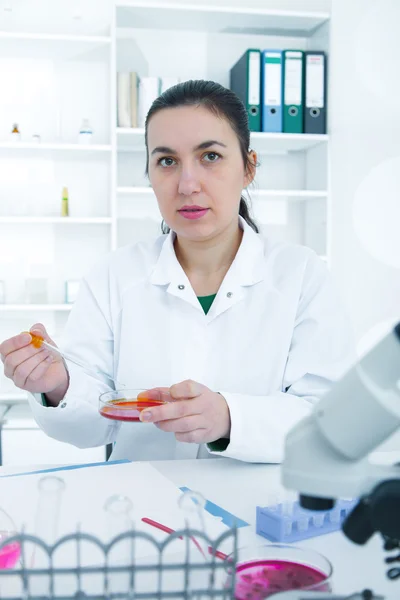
[271, 91]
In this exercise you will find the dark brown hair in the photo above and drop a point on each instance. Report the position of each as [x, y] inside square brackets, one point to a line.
[223, 103]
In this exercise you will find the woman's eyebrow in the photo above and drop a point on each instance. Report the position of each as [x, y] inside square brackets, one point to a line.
[202, 146]
[209, 143]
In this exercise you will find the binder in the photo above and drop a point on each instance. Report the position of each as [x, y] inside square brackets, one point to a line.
[168, 82]
[293, 90]
[123, 100]
[134, 83]
[271, 91]
[315, 92]
[149, 90]
[245, 82]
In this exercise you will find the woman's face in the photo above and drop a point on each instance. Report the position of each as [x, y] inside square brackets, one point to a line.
[196, 170]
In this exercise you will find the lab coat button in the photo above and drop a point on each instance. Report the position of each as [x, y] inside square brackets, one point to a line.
[229, 295]
[63, 405]
[181, 287]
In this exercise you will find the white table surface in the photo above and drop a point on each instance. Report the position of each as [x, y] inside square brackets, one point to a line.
[239, 487]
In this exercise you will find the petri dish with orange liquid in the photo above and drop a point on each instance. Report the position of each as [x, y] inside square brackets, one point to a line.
[126, 405]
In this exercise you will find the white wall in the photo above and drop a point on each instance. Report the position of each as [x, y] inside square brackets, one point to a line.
[365, 130]
[365, 161]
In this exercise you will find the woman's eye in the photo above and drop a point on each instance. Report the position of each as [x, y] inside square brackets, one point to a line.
[212, 156]
[167, 161]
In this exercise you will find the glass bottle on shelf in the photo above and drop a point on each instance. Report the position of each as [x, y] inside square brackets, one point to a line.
[64, 202]
[15, 133]
[85, 132]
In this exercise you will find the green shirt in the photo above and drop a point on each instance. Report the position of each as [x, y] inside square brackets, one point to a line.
[206, 302]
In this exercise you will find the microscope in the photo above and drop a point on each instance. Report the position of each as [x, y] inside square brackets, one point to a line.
[326, 455]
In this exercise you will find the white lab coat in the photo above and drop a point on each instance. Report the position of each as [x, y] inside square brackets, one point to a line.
[272, 343]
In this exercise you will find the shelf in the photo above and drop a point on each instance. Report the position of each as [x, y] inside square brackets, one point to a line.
[13, 397]
[57, 220]
[254, 193]
[143, 14]
[288, 194]
[271, 143]
[55, 147]
[132, 140]
[135, 191]
[33, 307]
[54, 47]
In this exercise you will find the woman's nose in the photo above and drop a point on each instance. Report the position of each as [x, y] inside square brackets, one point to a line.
[188, 181]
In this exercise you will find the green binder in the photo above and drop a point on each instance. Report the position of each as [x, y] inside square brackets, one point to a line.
[245, 82]
[293, 91]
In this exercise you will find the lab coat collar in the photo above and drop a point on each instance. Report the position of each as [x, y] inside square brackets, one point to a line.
[247, 268]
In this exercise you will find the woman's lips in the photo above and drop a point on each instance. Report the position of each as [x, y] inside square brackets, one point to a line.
[193, 212]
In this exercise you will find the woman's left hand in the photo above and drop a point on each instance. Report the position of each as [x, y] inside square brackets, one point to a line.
[193, 412]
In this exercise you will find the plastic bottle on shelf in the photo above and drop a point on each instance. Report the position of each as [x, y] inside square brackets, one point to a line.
[64, 202]
[85, 132]
[15, 133]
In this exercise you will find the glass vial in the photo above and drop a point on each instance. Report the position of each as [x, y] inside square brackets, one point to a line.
[15, 133]
[85, 132]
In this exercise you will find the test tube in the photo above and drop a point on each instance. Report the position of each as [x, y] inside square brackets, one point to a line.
[118, 510]
[318, 519]
[303, 523]
[119, 520]
[287, 526]
[288, 505]
[192, 504]
[51, 489]
[334, 516]
[273, 501]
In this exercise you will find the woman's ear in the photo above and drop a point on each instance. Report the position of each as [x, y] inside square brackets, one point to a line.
[251, 168]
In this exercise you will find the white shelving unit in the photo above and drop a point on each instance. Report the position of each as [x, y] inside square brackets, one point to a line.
[39, 147]
[132, 140]
[290, 198]
[59, 62]
[67, 221]
[106, 35]
[29, 308]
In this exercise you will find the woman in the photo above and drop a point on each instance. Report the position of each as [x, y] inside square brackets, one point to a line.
[245, 334]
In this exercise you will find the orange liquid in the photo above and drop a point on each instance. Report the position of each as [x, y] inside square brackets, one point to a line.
[36, 339]
[127, 410]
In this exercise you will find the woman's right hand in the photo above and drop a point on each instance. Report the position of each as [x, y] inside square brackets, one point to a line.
[36, 370]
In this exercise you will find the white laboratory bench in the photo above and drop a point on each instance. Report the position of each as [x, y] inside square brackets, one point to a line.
[239, 487]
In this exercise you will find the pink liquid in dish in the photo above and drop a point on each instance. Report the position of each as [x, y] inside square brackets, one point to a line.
[259, 579]
[10, 553]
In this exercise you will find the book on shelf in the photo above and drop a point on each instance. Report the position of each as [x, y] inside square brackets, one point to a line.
[136, 94]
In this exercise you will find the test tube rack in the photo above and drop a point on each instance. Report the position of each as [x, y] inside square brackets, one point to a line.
[289, 522]
[134, 579]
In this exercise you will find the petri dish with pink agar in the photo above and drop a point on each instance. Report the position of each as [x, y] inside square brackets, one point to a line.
[262, 571]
